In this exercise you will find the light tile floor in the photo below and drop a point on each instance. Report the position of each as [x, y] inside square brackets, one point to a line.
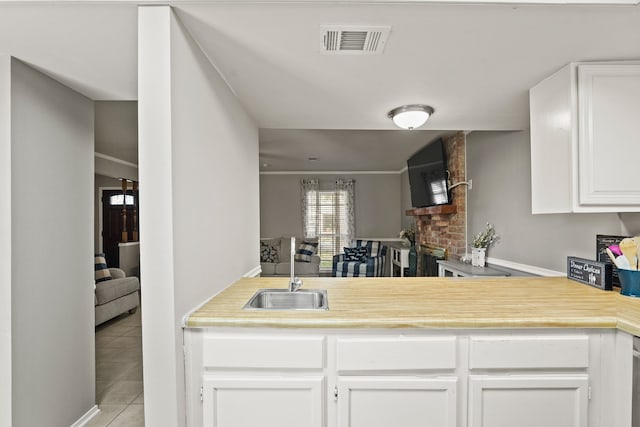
[119, 392]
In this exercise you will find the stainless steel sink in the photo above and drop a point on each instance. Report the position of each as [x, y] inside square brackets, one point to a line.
[282, 299]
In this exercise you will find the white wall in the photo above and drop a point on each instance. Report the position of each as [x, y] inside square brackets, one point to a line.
[377, 210]
[5, 241]
[198, 156]
[156, 246]
[499, 165]
[53, 362]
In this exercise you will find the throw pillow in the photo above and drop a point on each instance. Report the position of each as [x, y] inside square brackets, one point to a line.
[101, 270]
[268, 253]
[358, 254]
[305, 251]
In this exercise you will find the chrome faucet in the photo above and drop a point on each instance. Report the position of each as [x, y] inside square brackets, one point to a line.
[294, 282]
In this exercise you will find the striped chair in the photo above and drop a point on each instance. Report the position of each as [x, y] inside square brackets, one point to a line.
[373, 266]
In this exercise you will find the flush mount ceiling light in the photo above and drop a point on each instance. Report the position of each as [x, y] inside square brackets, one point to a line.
[410, 116]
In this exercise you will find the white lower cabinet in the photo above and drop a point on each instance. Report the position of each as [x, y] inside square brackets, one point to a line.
[396, 401]
[529, 380]
[528, 401]
[262, 401]
[503, 378]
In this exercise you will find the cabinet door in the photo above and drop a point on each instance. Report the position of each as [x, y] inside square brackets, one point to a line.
[528, 401]
[608, 131]
[396, 401]
[263, 401]
[550, 111]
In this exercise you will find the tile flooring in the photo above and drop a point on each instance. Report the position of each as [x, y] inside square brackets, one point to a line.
[119, 373]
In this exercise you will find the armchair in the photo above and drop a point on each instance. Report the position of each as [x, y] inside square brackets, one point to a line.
[373, 266]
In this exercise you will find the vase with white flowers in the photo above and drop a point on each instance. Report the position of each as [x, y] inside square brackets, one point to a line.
[481, 242]
[410, 234]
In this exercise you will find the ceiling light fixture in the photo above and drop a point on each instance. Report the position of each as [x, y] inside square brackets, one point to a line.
[410, 116]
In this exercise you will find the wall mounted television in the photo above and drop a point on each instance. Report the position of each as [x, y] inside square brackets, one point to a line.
[428, 176]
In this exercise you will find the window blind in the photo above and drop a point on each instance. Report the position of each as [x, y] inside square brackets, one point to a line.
[327, 217]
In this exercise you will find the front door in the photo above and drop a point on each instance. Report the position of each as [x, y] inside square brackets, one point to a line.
[112, 201]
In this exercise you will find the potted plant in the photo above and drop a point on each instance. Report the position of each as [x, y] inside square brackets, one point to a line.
[481, 242]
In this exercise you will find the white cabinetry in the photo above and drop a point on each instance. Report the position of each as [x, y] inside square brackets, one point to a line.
[396, 380]
[584, 130]
[527, 381]
[254, 379]
[262, 401]
[356, 378]
[397, 401]
[528, 401]
[395, 353]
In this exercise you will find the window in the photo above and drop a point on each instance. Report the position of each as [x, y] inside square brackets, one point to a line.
[328, 215]
[116, 200]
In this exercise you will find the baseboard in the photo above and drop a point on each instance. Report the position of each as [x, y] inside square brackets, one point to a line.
[254, 272]
[86, 417]
[532, 269]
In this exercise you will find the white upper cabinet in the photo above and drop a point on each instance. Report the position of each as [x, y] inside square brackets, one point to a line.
[585, 133]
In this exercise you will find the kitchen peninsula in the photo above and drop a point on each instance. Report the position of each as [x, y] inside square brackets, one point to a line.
[451, 351]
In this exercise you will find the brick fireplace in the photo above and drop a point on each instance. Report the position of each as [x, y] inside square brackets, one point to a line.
[445, 226]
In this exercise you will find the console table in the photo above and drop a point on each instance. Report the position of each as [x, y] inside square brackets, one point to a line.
[399, 257]
[460, 269]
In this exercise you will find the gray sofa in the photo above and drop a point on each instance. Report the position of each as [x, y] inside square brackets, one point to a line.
[283, 266]
[116, 296]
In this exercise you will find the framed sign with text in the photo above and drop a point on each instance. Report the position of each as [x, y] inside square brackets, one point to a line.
[603, 241]
[592, 273]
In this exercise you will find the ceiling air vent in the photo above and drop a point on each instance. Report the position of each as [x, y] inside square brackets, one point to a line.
[353, 40]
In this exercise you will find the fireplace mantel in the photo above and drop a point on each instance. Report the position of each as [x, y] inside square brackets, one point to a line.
[433, 210]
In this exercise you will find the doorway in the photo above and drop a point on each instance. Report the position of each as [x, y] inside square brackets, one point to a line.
[116, 204]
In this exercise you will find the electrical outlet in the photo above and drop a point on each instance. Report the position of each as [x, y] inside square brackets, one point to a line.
[470, 186]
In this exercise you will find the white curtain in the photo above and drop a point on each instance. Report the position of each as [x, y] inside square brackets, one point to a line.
[310, 207]
[345, 211]
[329, 216]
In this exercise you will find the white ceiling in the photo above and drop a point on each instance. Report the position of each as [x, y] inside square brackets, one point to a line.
[116, 129]
[91, 48]
[472, 63]
[340, 150]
